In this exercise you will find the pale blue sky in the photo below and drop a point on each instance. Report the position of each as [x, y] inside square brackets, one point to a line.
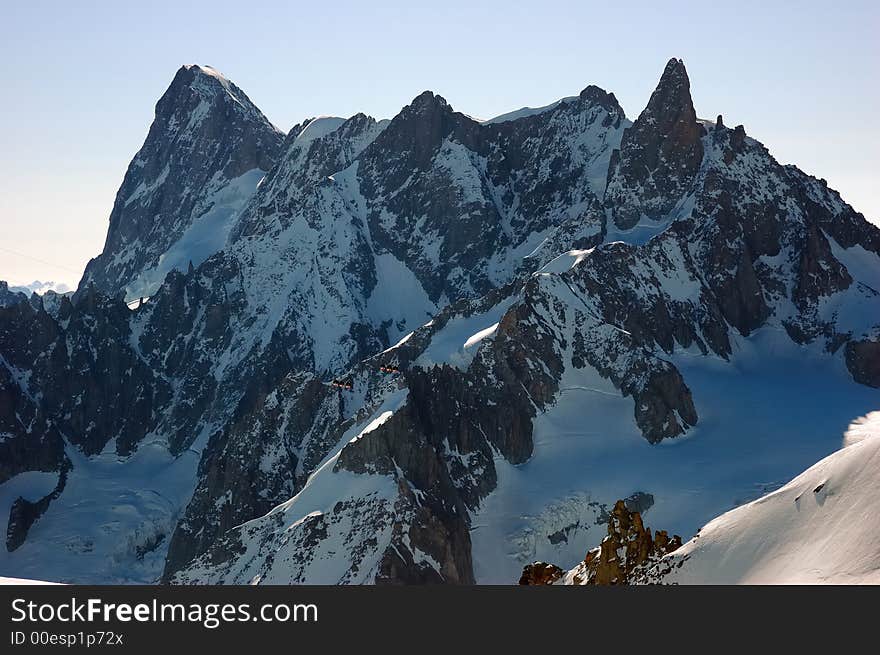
[80, 81]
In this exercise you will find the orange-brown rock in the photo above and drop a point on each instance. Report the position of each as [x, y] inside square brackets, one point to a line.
[627, 549]
[628, 546]
[538, 573]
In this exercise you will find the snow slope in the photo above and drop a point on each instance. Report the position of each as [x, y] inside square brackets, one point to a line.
[820, 528]
[113, 521]
[205, 235]
[525, 112]
[760, 424]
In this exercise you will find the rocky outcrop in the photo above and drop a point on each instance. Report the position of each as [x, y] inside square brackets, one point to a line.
[819, 273]
[24, 513]
[540, 573]
[627, 550]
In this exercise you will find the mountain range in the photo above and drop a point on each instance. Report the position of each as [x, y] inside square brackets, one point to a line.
[429, 349]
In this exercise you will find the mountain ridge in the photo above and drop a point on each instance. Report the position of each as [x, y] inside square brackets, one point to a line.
[498, 266]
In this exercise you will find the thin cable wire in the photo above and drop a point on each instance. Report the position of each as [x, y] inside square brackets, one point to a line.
[41, 261]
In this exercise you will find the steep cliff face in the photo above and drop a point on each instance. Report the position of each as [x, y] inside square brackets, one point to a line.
[205, 152]
[80, 370]
[364, 384]
[659, 155]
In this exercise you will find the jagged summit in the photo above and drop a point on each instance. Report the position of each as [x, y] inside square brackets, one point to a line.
[429, 99]
[671, 101]
[674, 70]
[598, 95]
[659, 155]
[418, 130]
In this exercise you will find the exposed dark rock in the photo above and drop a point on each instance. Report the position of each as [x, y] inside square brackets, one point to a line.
[31, 442]
[659, 155]
[92, 385]
[8, 297]
[24, 513]
[863, 361]
[253, 464]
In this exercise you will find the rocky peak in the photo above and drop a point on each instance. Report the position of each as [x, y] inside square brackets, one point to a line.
[200, 95]
[628, 547]
[659, 155]
[671, 100]
[417, 132]
[596, 96]
[207, 136]
[427, 101]
[427, 109]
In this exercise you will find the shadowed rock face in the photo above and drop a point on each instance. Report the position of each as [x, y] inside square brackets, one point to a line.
[257, 461]
[8, 297]
[31, 441]
[863, 361]
[91, 386]
[659, 155]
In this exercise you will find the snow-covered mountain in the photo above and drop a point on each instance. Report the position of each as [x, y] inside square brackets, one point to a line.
[428, 349]
[50, 292]
[42, 288]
